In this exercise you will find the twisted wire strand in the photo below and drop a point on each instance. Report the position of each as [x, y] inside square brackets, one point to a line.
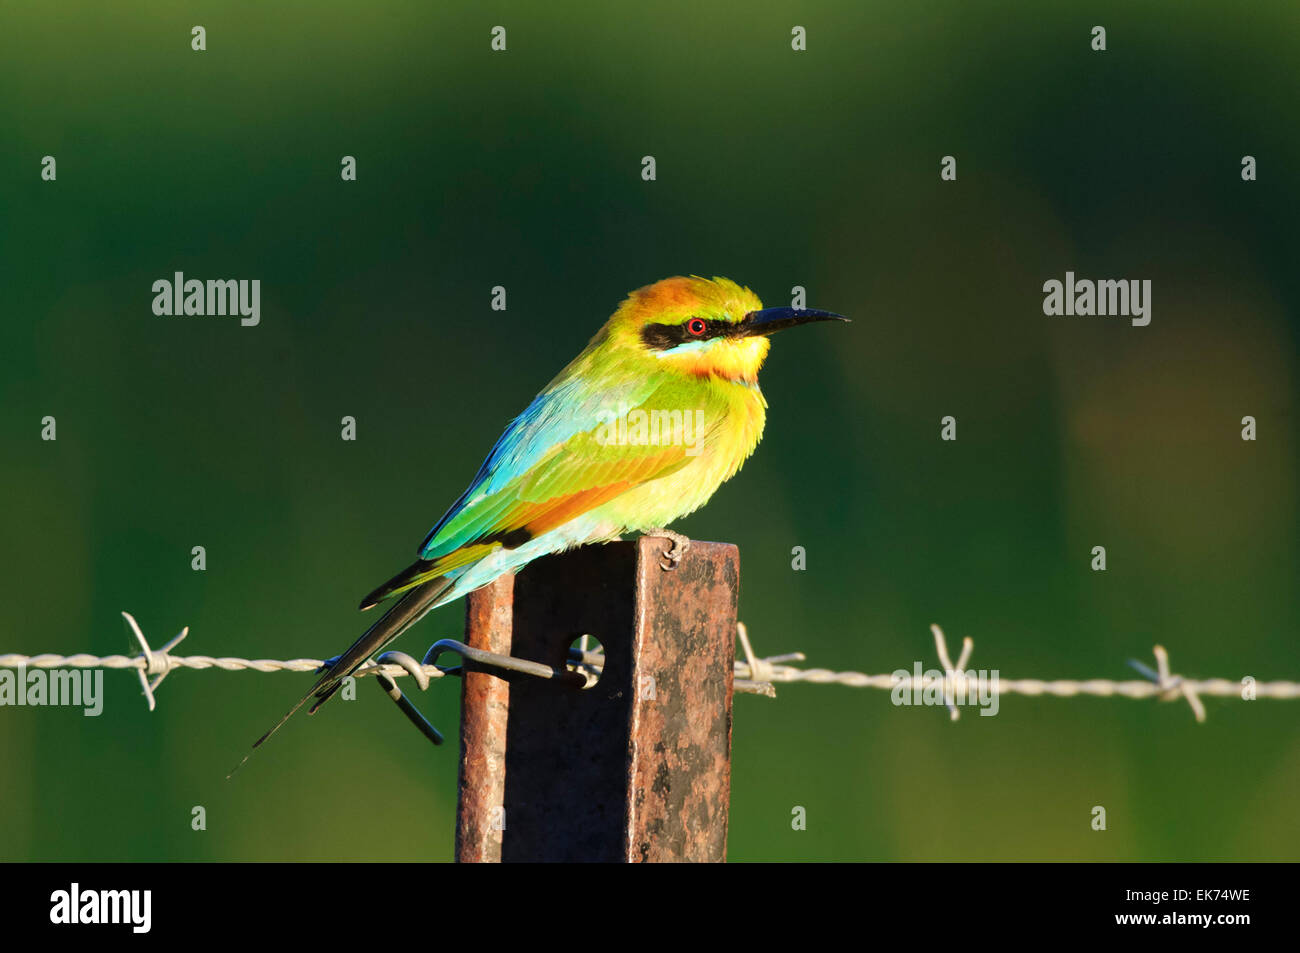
[1060, 688]
[752, 674]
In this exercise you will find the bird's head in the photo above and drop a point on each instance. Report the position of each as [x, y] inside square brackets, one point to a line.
[703, 327]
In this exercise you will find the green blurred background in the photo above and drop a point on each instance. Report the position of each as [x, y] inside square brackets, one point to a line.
[775, 168]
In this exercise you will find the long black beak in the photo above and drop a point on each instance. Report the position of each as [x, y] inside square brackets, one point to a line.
[770, 320]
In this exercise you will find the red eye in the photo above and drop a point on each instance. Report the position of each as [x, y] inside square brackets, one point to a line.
[696, 326]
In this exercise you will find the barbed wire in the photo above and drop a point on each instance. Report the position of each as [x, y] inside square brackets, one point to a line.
[953, 684]
[1159, 683]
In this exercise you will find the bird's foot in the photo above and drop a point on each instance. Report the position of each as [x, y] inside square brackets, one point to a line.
[674, 553]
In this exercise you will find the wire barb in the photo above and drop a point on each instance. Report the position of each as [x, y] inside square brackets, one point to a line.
[759, 681]
[158, 665]
[1170, 686]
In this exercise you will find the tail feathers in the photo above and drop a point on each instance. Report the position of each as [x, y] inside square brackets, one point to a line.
[418, 572]
[403, 614]
[324, 694]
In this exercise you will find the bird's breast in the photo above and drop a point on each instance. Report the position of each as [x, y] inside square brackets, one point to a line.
[716, 437]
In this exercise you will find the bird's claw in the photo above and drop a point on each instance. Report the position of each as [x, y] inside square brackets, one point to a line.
[672, 556]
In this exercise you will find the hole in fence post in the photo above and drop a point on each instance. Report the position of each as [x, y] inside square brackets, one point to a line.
[582, 658]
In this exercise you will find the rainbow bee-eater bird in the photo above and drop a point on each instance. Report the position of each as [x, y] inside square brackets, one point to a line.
[589, 459]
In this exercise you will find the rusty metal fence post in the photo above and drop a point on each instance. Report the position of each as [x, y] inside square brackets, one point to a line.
[634, 768]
